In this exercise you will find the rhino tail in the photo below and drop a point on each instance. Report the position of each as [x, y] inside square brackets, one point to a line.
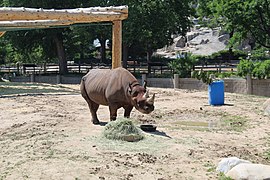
[83, 90]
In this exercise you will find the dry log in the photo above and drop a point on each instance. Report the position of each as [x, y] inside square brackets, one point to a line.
[79, 15]
[33, 23]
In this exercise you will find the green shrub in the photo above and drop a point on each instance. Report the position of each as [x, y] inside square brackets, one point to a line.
[203, 76]
[245, 67]
[259, 54]
[258, 69]
[261, 69]
[227, 55]
[183, 66]
[225, 74]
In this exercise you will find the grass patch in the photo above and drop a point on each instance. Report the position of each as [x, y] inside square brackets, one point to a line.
[149, 144]
[122, 129]
[234, 122]
[11, 88]
[266, 155]
[210, 167]
[222, 176]
[192, 123]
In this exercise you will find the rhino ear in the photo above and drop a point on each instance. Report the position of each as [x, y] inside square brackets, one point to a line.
[144, 84]
[129, 89]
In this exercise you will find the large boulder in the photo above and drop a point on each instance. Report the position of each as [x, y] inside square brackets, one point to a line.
[249, 171]
[224, 37]
[192, 35]
[226, 164]
[266, 107]
[181, 42]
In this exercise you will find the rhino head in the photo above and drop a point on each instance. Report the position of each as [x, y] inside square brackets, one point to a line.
[141, 100]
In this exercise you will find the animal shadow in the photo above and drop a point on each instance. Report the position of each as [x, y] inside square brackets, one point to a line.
[101, 123]
[159, 133]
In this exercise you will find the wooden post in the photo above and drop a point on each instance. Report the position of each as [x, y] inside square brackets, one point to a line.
[18, 68]
[58, 79]
[44, 68]
[144, 78]
[117, 44]
[249, 84]
[32, 77]
[79, 66]
[176, 81]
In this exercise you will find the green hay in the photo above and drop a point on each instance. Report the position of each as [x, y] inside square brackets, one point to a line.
[122, 129]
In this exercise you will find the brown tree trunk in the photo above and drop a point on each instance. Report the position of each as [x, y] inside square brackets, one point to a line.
[148, 57]
[230, 48]
[103, 49]
[58, 39]
[125, 55]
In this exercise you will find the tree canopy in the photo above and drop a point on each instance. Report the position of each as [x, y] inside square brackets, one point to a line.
[246, 19]
[150, 25]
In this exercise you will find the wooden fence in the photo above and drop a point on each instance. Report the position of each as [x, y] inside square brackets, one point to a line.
[25, 69]
[156, 68]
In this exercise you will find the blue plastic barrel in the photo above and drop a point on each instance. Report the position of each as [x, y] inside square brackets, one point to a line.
[216, 93]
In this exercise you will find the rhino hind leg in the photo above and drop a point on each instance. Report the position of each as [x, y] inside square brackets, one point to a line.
[93, 109]
[92, 105]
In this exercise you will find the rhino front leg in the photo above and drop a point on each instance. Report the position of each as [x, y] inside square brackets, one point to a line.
[113, 112]
[128, 110]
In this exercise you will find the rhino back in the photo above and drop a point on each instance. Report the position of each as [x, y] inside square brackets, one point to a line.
[108, 86]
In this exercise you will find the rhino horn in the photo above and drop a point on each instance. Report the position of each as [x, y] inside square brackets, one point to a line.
[152, 99]
[146, 95]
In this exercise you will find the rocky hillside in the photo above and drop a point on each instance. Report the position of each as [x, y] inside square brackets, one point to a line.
[199, 41]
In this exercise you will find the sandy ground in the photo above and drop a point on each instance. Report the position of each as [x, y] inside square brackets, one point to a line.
[50, 136]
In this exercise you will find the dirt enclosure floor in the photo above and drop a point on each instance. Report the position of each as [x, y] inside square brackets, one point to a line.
[46, 133]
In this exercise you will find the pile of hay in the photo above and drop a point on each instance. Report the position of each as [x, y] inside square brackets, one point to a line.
[122, 129]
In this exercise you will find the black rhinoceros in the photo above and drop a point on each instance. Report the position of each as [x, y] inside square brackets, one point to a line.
[115, 88]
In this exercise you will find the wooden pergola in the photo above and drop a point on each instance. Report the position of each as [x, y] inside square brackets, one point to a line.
[12, 18]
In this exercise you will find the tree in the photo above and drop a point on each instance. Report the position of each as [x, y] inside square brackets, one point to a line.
[51, 40]
[151, 24]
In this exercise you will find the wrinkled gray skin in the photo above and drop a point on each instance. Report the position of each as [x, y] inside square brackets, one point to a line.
[115, 88]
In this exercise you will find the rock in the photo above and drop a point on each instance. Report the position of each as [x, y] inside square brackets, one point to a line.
[249, 171]
[215, 32]
[181, 43]
[204, 41]
[197, 27]
[247, 48]
[224, 37]
[227, 164]
[266, 107]
[191, 35]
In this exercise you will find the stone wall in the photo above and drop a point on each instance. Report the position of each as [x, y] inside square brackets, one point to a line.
[235, 85]
[261, 87]
[51, 79]
[190, 83]
[160, 82]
